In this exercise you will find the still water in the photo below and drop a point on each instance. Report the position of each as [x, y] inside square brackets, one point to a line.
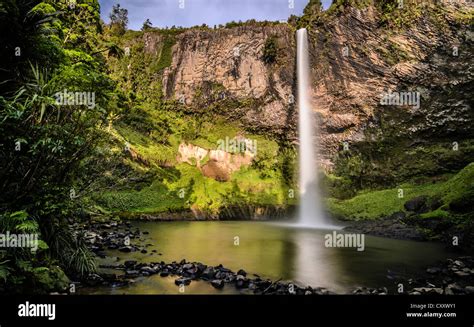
[275, 252]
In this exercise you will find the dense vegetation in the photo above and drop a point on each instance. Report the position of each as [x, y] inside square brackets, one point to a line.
[49, 47]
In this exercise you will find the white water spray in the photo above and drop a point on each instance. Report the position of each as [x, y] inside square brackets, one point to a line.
[311, 213]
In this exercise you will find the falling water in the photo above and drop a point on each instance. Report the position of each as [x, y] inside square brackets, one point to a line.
[310, 213]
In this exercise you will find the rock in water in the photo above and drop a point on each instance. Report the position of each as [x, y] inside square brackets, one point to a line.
[241, 282]
[217, 283]
[208, 273]
[242, 272]
[182, 281]
[126, 249]
[130, 263]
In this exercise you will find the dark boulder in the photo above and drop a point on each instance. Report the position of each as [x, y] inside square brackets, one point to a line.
[229, 278]
[242, 272]
[208, 273]
[200, 268]
[433, 270]
[400, 215]
[241, 282]
[132, 273]
[464, 203]
[182, 281]
[418, 204]
[126, 249]
[130, 263]
[435, 203]
[217, 283]
[188, 266]
[148, 270]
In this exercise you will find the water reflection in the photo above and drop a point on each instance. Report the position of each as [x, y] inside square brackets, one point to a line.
[312, 265]
[275, 252]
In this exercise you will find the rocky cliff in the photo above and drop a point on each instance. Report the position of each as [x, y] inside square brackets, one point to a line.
[356, 58]
[226, 63]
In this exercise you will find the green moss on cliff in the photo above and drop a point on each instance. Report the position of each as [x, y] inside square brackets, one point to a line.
[381, 203]
[166, 53]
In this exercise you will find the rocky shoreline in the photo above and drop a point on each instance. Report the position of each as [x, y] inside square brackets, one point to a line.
[218, 276]
[453, 276]
[394, 226]
[411, 225]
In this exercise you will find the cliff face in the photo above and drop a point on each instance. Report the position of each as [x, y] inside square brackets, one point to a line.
[356, 60]
[212, 66]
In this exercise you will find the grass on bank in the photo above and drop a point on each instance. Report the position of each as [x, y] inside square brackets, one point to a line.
[258, 184]
[192, 189]
[376, 204]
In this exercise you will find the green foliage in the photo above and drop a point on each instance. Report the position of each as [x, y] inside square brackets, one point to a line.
[151, 199]
[266, 160]
[250, 22]
[393, 16]
[22, 268]
[118, 19]
[270, 51]
[153, 151]
[147, 25]
[165, 57]
[392, 53]
[313, 7]
[288, 163]
[53, 138]
[354, 168]
[157, 127]
[337, 187]
[386, 163]
[234, 24]
[45, 145]
[374, 204]
[27, 36]
[74, 254]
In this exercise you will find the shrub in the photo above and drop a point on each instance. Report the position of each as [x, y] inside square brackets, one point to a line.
[270, 50]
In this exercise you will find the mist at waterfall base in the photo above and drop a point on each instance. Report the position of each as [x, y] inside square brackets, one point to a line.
[311, 213]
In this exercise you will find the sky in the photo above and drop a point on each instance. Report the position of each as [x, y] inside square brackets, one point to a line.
[164, 13]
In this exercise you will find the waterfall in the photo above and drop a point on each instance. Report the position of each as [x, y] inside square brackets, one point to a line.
[311, 213]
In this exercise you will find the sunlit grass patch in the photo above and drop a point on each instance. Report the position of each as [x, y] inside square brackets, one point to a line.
[376, 204]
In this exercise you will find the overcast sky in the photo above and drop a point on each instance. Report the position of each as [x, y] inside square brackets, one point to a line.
[197, 12]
